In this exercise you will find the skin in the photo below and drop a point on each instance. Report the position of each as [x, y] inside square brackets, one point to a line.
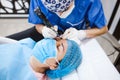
[51, 63]
[94, 32]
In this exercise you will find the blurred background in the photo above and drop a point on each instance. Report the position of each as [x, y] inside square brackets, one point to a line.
[13, 16]
[14, 13]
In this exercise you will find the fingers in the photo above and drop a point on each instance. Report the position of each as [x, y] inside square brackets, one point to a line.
[66, 34]
[48, 33]
[51, 32]
[69, 33]
[53, 67]
[51, 62]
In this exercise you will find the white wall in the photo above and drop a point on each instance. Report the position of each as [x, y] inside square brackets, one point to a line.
[108, 6]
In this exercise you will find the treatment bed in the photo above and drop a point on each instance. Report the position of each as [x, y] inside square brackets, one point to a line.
[95, 63]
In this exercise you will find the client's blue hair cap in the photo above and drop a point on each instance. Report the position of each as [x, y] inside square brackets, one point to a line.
[70, 62]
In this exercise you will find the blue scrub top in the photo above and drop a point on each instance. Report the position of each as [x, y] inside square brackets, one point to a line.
[84, 11]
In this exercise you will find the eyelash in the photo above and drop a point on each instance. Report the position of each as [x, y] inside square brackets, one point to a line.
[58, 47]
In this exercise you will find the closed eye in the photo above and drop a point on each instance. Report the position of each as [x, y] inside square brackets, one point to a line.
[60, 47]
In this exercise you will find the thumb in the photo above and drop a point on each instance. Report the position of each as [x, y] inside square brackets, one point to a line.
[66, 33]
[55, 28]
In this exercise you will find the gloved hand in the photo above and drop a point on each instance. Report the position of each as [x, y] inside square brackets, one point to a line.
[76, 40]
[49, 33]
[74, 34]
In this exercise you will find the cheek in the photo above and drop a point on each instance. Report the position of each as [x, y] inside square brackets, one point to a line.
[60, 49]
[60, 54]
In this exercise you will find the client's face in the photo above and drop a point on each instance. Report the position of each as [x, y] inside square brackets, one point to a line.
[61, 47]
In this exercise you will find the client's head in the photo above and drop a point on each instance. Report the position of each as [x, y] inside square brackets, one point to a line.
[65, 52]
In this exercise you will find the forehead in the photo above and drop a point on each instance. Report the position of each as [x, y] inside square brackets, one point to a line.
[61, 40]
